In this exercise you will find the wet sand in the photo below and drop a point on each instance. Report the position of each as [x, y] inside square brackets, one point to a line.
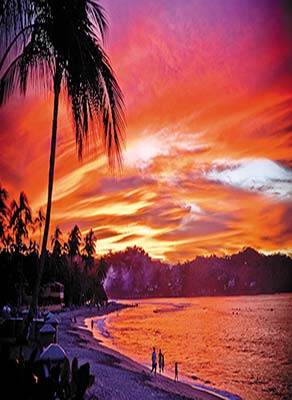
[117, 377]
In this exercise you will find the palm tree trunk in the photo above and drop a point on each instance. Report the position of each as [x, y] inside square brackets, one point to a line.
[35, 296]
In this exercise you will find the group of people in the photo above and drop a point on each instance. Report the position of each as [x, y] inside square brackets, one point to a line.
[160, 361]
[161, 364]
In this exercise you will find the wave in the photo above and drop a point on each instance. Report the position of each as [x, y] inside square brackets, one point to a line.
[100, 323]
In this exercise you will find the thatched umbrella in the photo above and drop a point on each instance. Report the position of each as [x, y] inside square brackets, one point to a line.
[48, 314]
[54, 352]
[47, 335]
[52, 320]
[47, 328]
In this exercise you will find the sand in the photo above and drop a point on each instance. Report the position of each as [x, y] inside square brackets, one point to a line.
[116, 376]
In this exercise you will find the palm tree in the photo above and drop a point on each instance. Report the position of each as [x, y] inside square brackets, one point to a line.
[74, 241]
[102, 271]
[56, 259]
[101, 296]
[7, 241]
[60, 43]
[20, 220]
[38, 222]
[56, 243]
[3, 212]
[33, 247]
[89, 250]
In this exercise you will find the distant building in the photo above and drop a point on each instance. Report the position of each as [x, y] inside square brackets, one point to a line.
[52, 293]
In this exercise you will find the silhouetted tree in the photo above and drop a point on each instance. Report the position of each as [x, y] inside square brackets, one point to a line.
[101, 270]
[74, 242]
[88, 250]
[33, 247]
[39, 222]
[20, 220]
[60, 42]
[56, 243]
[56, 260]
[3, 213]
[20, 223]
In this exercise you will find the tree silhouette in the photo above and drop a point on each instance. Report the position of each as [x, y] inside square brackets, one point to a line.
[100, 294]
[60, 44]
[57, 261]
[74, 242]
[101, 271]
[39, 221]
[20, 220]
[88, 250]
[33, 247]
[3, 213]
[56, 243]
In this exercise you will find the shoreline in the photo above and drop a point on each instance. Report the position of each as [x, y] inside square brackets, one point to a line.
[116, 375]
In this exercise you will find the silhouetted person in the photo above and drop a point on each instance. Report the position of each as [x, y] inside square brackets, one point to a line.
[154, 361]
[92, 322]
[160, 361]
[176, 371]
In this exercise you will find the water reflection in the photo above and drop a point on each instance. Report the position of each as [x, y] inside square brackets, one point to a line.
[238, 344]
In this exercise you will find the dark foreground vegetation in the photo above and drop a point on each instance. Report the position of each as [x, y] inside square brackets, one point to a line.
[71, 262]
[45, 379]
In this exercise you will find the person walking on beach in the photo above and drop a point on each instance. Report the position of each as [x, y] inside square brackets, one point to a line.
[176, 371]
[154, 361]
[92, 322]
[160, 361]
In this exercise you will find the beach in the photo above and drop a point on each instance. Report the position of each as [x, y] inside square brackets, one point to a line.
[117, 376]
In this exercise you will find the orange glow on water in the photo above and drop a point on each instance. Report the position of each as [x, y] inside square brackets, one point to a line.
[237, 344]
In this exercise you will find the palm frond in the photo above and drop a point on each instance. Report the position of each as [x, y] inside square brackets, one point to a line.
[95, 96]
[34, 63]
[112, 111]
[14, 16]
[3, 199]
[14, 47]
[10, 81]
[97, 15]
[68, 33]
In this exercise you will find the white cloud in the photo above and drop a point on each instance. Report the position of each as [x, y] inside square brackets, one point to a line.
[165, 142]
[261, 175]
[194, 212]
[194, 209]
[142, 152]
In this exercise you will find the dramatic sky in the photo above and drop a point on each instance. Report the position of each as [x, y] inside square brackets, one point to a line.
[207, 166]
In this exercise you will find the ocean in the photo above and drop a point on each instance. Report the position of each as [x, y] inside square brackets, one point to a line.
[240, 345]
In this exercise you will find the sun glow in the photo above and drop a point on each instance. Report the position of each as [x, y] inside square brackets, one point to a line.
[207, 166]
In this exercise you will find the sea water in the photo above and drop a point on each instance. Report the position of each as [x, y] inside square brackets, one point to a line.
[241, 345]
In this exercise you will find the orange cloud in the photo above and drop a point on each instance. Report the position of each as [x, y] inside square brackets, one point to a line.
[208, 95]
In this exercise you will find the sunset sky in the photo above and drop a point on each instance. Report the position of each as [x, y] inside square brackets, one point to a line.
[207, 165]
